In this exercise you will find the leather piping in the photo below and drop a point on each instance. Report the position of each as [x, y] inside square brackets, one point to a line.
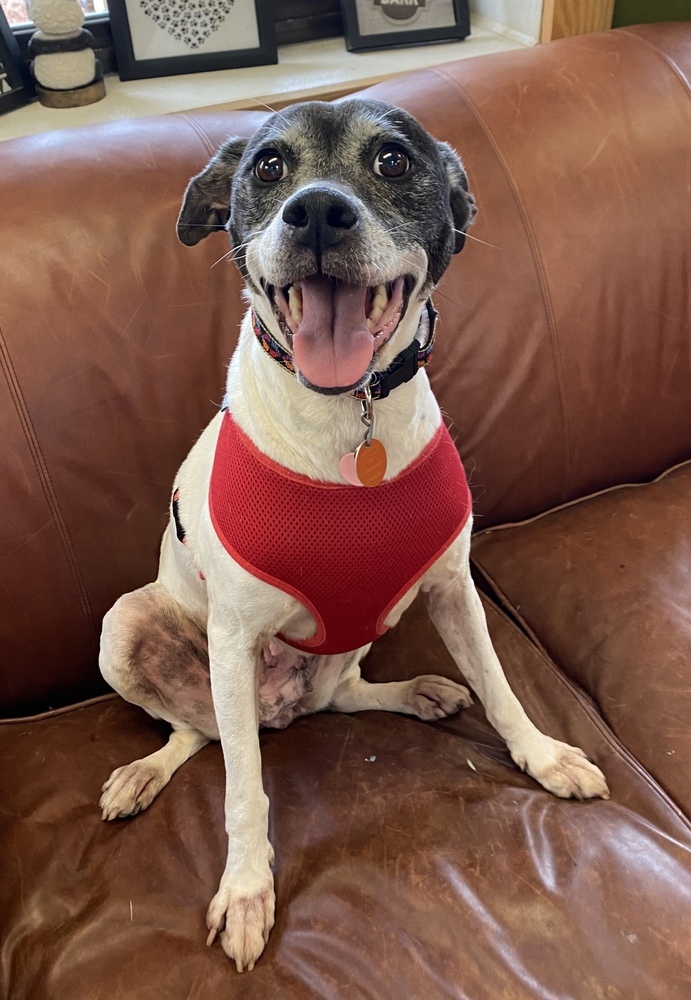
[53, 713]
[511, 612]
[677, 70]
[597, 720]
[195, 126]
[580, 500]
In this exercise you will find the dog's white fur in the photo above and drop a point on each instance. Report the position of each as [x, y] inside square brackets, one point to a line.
[308, 433]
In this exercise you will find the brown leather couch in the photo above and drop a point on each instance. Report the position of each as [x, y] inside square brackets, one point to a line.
[413, 860]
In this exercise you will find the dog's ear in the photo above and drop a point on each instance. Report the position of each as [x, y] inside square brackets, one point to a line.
[463, 208]
[206, 205]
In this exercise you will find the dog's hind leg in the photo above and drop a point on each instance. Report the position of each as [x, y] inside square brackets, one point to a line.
[428, 697]
[155, 656]
[133, 787]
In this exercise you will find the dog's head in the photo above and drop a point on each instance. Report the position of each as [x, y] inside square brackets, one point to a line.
[342, 217]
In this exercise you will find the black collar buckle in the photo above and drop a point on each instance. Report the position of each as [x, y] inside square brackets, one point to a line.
[403, 367]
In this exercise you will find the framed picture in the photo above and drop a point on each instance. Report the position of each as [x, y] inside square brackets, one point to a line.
[16, 85]
[381, 24]
[167, 37]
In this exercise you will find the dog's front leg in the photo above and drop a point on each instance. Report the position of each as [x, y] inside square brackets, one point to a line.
[242, 910]
[456, 610]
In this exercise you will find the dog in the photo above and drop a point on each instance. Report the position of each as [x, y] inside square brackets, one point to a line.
[342, 218]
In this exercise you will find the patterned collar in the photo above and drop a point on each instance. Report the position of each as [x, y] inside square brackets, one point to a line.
[403, 367]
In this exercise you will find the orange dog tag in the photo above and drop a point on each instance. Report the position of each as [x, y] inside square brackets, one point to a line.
[370, 462]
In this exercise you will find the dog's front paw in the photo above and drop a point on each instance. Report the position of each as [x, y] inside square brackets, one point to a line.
[563, 770]
[431, 697]
[243, 916]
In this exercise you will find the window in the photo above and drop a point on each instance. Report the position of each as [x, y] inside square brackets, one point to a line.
[17, 12]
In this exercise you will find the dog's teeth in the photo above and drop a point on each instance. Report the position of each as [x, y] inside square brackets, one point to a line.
[378, 305]
[295, 302]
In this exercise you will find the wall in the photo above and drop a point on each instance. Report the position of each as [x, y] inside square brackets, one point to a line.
[519, 19]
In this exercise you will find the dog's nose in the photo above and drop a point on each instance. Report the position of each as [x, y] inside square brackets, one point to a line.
[320, 219]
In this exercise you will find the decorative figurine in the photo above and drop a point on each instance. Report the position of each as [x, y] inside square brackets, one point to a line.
[66, 71]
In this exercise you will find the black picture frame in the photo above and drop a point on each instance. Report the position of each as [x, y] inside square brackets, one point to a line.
[16, 85]
[131, 68]
[356, 41]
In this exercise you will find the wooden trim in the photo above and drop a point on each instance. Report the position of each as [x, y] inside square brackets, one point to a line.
[274, 102]
[547, 20]
[564, 18]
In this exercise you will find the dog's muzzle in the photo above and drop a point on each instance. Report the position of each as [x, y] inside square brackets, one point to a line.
[333, 324]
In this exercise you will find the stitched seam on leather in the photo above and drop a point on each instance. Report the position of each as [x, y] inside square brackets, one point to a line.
[46, 484]
[507, 606]
[598, 721]
[64, 710]
[208, 144]
[580, 500]
[676, 69]
[541, 274]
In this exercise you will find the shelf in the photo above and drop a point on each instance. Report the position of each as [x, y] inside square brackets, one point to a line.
[318, 68]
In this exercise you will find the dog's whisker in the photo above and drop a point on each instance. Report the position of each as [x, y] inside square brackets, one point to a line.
[269, 108]
[240, 246]
[250, 237]
[380, 118]
[224, 257]
[403, 225]
[438, 291]
[461, 232]
[234, 251]
[411, 263]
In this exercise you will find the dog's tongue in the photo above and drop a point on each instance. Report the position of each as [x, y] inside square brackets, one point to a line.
[332, 345]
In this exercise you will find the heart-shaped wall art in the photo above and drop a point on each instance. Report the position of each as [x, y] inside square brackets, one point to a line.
[188, 21]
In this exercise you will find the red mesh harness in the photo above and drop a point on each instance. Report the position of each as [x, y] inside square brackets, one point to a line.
[347, 553]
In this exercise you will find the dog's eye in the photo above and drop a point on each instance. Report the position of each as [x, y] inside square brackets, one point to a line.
[391, 161]
[270, 166]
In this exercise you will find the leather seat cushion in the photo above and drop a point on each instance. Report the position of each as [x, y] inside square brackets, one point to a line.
[605, 585]
[410, 858]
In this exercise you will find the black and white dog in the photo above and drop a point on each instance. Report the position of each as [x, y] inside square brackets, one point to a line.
[342, 218]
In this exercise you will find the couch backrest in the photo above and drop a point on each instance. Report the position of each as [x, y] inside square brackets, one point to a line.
[563, 357]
